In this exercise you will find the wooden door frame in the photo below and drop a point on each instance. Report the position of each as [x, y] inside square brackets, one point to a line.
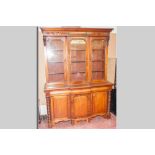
[69, 39]
[105, 61]
[64, 59]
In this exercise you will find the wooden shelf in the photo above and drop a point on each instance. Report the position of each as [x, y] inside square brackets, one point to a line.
[77, 61]
[56, 61]
[78, 72]
[98, 49]
[97, 60]
[98, 71]
[54, 73]
[78, 50]
[57, 50]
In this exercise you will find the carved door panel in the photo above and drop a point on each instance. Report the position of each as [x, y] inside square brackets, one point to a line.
[100, 102]
[80, 106]
[60, 106]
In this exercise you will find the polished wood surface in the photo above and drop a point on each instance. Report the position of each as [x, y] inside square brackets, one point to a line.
[99, 103]
[60, 108]
[80, 106]
[76, 73]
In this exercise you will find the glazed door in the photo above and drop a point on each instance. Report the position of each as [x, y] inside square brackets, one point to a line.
[78, 60]
[100, 102]
[55, 56]
[98, 59]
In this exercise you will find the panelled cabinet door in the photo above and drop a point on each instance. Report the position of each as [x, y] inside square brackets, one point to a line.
[80, 106]
[78, 57]
[55, 55]
[98, 60]
[100, 102]
[60, 107]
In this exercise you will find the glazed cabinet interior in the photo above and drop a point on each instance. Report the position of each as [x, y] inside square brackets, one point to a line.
[76, 73]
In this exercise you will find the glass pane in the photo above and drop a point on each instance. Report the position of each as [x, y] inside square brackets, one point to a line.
[56, 77]
[98, 56]
[55, 58]
[54, 68]
[78, 67]
[78, 45]
[78, 76]
[97, 75]
[55, 50]
[55, 44]
[78, 58]
[97, 66]
[98, 44]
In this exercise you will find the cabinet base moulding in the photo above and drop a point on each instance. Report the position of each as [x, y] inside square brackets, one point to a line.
[75, 121]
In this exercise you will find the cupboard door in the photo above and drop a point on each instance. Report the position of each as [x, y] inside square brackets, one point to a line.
[80, 106]
[60, 107]
[55, 54]
[98, 50]
[100, 102]
[78, 57]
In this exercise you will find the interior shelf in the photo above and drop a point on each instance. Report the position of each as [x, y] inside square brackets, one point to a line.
[98, 49]
[97, 60]
[78, 50]
[61, 50]
[54, 73]
[78, 72]
[77, 61]
[98, 71]
[56, 61]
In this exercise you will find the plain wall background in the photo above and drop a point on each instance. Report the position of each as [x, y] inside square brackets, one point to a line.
[136, 77]
[41, 70]
[18, 77]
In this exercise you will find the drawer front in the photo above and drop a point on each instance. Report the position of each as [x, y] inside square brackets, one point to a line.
[60, 106]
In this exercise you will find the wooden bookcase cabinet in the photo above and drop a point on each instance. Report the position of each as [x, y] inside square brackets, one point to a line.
[76, 73]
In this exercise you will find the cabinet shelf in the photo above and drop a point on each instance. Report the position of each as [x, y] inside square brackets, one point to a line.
[78, 72]
[54, 73]
[61, 50]
[56, 61]
[98, 71]
[78, 50]
[98, 49]
[77, 61]
[97, 60]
